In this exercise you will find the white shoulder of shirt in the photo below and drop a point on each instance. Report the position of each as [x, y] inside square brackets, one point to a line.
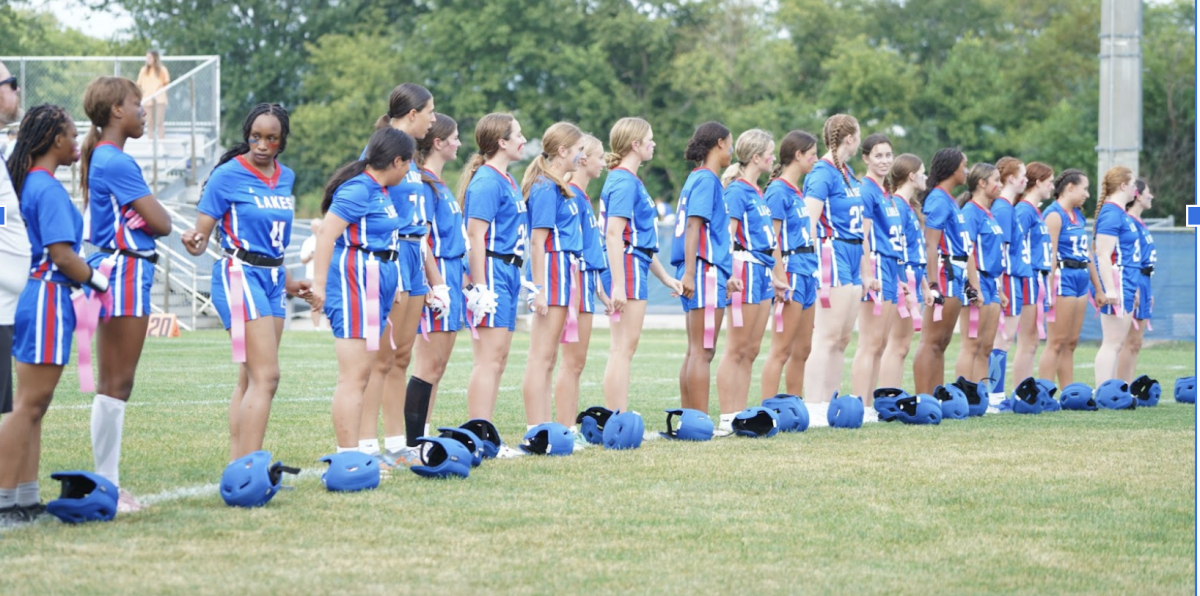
[14, 242]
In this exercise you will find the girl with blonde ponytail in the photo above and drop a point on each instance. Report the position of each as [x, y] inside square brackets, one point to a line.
[631, 243]
[555, 243]
[754, 245]
[835, 207]
[591, 263]
[795, 264]
[124, 218]
[1118, 261]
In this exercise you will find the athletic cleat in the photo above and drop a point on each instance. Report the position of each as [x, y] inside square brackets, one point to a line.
[385, 463]
[14, 516]
[403, 457]
[126, 503]
[723, 431]
[34, 511]
[581, 441]
[507, 452]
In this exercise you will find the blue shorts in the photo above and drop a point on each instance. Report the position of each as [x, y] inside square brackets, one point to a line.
[887, 271]
[589, 281]
[505, 280]
[636, 271]
[1129, 288]
[129, 282]
[452, 273]
[804, 288]
[756, 283]
[846, 264]
[988, 286]
[262, 291]
[346, 293]
[44, 322]
[557, 280]
[1074, 283]
[1145, 295]
[412, 268]
[698, 297]
[1014, 289]
[954, 283]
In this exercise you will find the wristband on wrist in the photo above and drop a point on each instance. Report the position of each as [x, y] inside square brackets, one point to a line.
[97, 281]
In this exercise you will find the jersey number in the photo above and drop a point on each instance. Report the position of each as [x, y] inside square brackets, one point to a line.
[278, 229]
[856, 219]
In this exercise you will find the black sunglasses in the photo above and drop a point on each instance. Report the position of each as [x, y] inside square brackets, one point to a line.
[10, 81]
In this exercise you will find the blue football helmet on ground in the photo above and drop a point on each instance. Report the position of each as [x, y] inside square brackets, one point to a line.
[977, 396]
[252, 480]
[468, 439]
[845, 412]
[885, 402]
[1185, 390]
[790, 409]
[487, 433]
[1078, 396]
[694, 425]
[919, 409]
[1113, 394]
[1050, 404]
[1029, 397]
[86, 497]
[1146, 391]
[756, 422]
[591, 423]
[624, 430]
[953, 400]
[350, 471]
[442, 458]
[549, 438]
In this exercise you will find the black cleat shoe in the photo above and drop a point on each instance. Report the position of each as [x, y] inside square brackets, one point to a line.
[13, 516]
[35, 511]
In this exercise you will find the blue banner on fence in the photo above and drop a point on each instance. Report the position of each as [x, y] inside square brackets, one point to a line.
[1174, 286]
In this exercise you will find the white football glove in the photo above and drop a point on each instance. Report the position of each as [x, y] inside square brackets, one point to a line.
[440, 300]
[531, 290]
[481, 301]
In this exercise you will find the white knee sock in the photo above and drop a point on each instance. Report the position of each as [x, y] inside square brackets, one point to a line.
[108, 420]
[394, 444]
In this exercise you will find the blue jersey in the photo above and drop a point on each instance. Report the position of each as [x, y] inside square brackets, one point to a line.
[254, 212]
[887, 225]
[842, 215]
[447, 237]
[1073, 242]
[492, 196]
[1149, 254]
[1027, 251]
[986, 236]
[787, 206]
[1002, 210]
[550, 209]
[625, 196]
[408, 198]
[364, 204]
[702, 196]
[1113, 221]
[941, 213]
[50, 218]
[594, 256]
[914, 234]
[114, 183]
[754, 231]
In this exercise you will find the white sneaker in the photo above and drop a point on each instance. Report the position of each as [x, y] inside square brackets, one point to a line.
[403, 457]
[126, 503]
[506, 452]
[723, 431]
[580, 442]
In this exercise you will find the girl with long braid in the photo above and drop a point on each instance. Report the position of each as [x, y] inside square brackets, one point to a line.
[447, 245]
[1033, 290]
[45, 318]
[754, 245]
[1075, 276]
[906, 181]
[795, 263]
[1143, 199]
[250, 194]
[946, 248]
[594, 261]
[883, 234]
[985, 265]
[555, 245]
[831, 193]
[703, 261]
[1118, 263]
[125, 219]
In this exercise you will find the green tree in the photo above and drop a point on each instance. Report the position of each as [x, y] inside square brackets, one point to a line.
[1168, 159]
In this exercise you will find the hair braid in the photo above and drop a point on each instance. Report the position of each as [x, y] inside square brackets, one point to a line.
[40, 126]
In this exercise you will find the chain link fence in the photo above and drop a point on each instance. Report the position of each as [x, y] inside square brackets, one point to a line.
[191, 123]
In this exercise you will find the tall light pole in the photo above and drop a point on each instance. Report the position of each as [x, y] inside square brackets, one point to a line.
[1120, 85]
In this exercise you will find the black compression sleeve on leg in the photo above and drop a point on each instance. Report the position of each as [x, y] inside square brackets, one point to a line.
[416, 409]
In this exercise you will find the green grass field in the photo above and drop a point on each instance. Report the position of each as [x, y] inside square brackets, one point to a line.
[1065, 503]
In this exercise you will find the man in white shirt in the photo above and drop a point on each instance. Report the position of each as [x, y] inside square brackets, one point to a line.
[14, 244]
